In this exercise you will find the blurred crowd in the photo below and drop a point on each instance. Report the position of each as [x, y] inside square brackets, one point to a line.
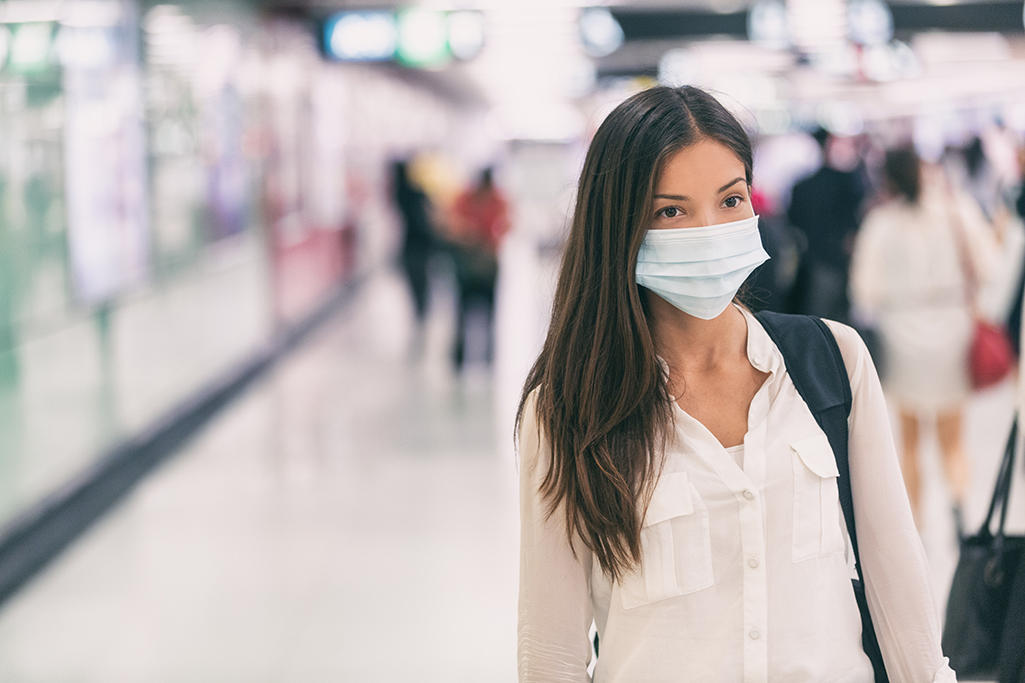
[910, 251]
[914, 253]
[468, 230]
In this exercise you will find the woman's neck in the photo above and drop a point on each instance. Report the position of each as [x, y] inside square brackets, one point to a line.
[691, 344]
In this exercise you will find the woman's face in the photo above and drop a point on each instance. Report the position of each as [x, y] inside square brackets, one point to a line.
[702, 184]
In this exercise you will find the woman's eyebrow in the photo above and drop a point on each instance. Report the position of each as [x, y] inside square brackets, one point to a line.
[683, 198]
[730, 184]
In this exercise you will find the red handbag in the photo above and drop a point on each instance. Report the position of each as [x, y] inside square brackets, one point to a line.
[991, 356]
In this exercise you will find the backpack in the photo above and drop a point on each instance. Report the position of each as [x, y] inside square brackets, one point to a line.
[816, 368]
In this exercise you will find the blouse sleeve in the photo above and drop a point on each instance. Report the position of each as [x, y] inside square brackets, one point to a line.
[554, 605]
[897, 579]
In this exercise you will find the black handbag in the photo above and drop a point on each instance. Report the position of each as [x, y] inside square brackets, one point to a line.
[977, 610]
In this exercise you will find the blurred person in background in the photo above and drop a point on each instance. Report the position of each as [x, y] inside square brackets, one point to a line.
[769, 286]
[418, 241]
[909, 275]
[825, 207]
[982, 168]
[980, 179]
[675, 489]
[478, 221]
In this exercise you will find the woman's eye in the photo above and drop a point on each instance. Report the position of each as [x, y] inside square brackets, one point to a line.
[733, 202]
[670, 212]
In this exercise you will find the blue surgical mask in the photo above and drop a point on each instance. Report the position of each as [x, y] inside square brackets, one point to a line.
[699, 270]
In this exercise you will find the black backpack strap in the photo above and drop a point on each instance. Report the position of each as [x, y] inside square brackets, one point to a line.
[816, 368]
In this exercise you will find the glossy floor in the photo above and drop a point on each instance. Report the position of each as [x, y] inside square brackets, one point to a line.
[352, 518]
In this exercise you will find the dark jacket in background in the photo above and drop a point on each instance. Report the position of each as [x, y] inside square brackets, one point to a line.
[825, 207]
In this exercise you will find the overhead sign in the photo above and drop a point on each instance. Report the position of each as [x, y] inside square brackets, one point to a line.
[415, 37]
[361, 36]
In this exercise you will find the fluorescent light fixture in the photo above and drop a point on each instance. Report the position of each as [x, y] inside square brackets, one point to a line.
[465, 34]
[600, 33]
[422, 38]
[361, 36]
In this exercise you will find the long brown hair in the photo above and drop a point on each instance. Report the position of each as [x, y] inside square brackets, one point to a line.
[601, 395]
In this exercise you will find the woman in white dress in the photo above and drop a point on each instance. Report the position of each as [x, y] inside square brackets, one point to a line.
[676, 492]
[909, 273]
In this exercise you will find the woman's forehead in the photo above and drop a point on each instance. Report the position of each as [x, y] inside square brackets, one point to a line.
[706, 163]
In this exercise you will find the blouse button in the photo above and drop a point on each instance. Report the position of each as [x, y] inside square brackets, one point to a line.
[753, 562]
[755, 634]
[749, 494]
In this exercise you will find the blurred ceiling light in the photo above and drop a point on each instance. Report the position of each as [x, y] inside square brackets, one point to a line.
[422, 38]
[767, 24]
[31, 46]
[465, 34]
[361, 36]
[679, 67]
[600, 33]
[870, 22]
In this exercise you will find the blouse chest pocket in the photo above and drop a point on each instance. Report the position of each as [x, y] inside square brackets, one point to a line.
[816, 500]
[676, 546]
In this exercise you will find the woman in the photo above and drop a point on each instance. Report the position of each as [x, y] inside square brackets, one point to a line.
[912, 261]
[417, 237]
[675, 489]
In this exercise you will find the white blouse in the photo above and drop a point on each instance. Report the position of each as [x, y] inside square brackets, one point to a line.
[907, 275]
[745, 573]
